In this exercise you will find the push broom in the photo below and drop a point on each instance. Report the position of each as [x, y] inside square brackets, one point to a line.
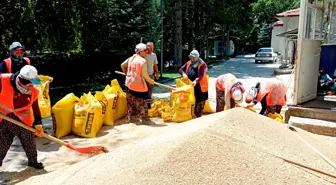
[83, 150]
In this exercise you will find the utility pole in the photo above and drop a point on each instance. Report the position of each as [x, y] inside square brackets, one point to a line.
[161, 70]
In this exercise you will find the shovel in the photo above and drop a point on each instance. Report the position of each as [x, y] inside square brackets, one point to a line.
[84, 150]
[178, 89]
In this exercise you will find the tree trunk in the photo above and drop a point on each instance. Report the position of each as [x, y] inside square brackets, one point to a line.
[178, 33]
[222, 43]
[227, 42]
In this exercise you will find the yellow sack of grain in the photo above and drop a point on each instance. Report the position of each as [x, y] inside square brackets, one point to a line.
[103, 102]
[88, 116]
[43, 97]
[62, 115]
[160, 108]
[182, 103]
[116, 103]
[276, 117]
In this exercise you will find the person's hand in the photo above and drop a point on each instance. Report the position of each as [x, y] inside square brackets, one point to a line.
[193, 83]
[152, 82]
[157, 76]
[184, 75]
[39, 131]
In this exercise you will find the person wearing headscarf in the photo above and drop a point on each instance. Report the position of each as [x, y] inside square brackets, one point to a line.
[135, 68]
[16, 60]
[196, 71]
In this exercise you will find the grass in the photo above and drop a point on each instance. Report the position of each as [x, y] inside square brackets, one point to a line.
[170, 73]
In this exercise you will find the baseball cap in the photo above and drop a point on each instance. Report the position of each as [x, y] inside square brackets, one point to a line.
[29, 72]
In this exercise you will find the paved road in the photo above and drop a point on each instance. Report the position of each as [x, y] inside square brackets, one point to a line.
[244, 69]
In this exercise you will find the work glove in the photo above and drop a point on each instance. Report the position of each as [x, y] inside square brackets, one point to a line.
[193, 83]
[184, 75]
[39, 131]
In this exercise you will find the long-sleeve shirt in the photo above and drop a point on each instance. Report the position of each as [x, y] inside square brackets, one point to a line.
[200, 74]
[21, 100]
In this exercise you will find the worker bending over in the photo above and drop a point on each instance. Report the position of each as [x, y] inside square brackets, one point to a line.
[18, 96]
[16, 60]
[270, 93]
[135, 68]
[229, 92]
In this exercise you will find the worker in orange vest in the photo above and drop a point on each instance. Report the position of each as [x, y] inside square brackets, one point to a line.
[16, 60]
[270, 93]
[18, 98]
[196, 69]
[137, 97]
[229, 91]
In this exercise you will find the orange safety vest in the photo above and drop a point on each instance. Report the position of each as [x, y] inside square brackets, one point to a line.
[134, 79]
[8, 62]
[227, 82]
[275, 92]
[204, 81]
[7, 105]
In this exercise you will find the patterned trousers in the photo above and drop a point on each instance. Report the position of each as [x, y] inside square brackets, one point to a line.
[220, 100]
[136, 106]
[199, 109]
[7, 133]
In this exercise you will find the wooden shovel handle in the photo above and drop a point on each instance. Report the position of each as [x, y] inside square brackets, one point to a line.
[156, 83]
[18, 123]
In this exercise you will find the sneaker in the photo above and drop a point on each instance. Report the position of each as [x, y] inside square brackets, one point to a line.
[36, 165]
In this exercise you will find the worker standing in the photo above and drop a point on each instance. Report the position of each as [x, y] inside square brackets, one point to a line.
[135, 68]
[16, 60]
[152, 68]
[229, 91]
[18, 96]
[196, 70]
[270, 93]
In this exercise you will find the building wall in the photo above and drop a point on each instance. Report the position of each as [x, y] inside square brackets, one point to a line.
[290, 23]
[278, 43]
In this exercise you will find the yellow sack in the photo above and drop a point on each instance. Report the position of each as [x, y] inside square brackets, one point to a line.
[62, 115]
[160, 108]
[182, 103]
[276, 117]
[88, 116]
[43, 97]
[116, 103]
[103, 102]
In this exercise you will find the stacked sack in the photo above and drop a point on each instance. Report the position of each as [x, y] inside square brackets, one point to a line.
[86, 115]
[160, 108]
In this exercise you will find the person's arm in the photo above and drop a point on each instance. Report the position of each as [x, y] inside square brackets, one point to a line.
[145, 75]
[37, 114]
[3, 67]
[201, 73]
[182, 69]
[156, 69]
[124, 66]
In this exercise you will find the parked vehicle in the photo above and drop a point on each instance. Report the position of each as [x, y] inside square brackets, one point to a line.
[266, 55]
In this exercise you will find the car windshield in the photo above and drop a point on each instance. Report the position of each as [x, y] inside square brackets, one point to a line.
[266, 50]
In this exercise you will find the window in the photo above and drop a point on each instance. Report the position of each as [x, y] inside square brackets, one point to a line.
[310, 23]
[266, 50]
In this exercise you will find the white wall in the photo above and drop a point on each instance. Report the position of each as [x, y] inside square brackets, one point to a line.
[278, 43]
[306, 74]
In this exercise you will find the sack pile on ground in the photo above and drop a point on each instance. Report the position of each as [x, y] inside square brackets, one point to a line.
[276, 117]
[86, 115]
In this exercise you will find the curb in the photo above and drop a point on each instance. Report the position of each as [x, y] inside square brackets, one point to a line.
[282, 71]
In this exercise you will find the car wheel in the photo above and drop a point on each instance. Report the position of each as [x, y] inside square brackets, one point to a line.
[256, 61]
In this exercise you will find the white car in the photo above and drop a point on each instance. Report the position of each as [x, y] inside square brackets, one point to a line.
[266, 55]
